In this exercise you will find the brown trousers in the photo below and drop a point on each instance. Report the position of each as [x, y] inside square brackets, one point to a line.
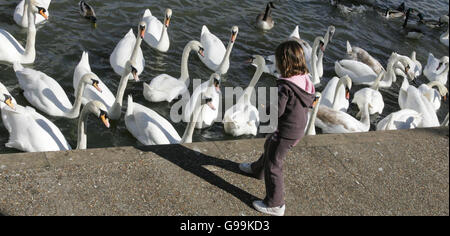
[270, 167]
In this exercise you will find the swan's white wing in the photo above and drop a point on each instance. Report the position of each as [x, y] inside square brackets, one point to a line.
[359, 72]
[164, 88]
[331, 121]
[403, 119]
[329, 92]
[432, 95]
[149, 127]
[241, 119]
[122, 53]
[43, 92]
[32, 132]
[90, 93]
[10, 49]
[371, 97]
[415, 101]
[153, 30]
[214, 49]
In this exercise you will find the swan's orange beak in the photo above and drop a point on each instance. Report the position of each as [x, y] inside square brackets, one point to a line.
[233, 37]
[316, 100]
[9, 103]
[95, 84]
[347, 94]
[142, 33]
[42, 12]
[201, 52]
[105, 120]
[167, 22]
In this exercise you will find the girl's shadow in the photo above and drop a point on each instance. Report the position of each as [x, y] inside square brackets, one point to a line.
[194, 162]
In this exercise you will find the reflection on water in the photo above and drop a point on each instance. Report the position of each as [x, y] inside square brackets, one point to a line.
[61, 40]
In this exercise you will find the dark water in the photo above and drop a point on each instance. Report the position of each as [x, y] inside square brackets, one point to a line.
[62, 39]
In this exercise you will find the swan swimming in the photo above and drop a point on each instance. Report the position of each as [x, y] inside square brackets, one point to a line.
[165, 87]
[216, 57]
[156, 35]
[243, 117]
[11, 50]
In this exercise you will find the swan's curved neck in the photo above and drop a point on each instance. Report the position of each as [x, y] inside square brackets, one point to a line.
[164, 36]
[25, 13]
[320, 57]
[389, 75]
[82, 129]
[340, 85]
[314, 72]
[267, 12]
[249, 90]
[184, 63]
[310, 129]
[187, 136]
[115, 110]
[30, 51]
[137, 45]
[117, 106]
[226, 59]
[75, 111]
[365, 116]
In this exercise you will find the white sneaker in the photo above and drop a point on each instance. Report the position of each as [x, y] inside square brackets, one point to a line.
[246, 167]
[275, 211]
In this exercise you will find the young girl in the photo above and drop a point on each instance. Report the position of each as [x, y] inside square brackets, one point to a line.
[295, 96]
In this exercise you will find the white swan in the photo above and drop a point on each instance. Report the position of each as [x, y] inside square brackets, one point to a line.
[21, 14]
[165, 87]
[243, 117]
[99, 110]
[403, 119]
[314, 72]
[264, 20]
[29, 131]
[150, 128]
[216, 57]
[332, 121]
[124, 49]
[412, 70]
[156, 33]
[91, 93]
[210, 111]
[10, 49]
[361, 55]
[5, 97]
[414, 100]
[271, 68]
[310, 128]
[308, 50]
[336, 93]
[45, 93]
[361, 73]
[433, 95]
[371, 96]
[437, 69]
[327, 38]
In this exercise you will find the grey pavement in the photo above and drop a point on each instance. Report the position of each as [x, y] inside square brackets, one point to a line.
[373, 173]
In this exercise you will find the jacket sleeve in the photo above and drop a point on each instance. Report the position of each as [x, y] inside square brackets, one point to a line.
[283, 97]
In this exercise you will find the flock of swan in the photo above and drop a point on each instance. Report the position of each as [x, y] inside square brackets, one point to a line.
[30, 131]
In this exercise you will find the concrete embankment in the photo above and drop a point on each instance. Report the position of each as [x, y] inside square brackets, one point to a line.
[374, 173]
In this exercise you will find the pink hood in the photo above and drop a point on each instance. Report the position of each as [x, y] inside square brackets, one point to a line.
[303, 82]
